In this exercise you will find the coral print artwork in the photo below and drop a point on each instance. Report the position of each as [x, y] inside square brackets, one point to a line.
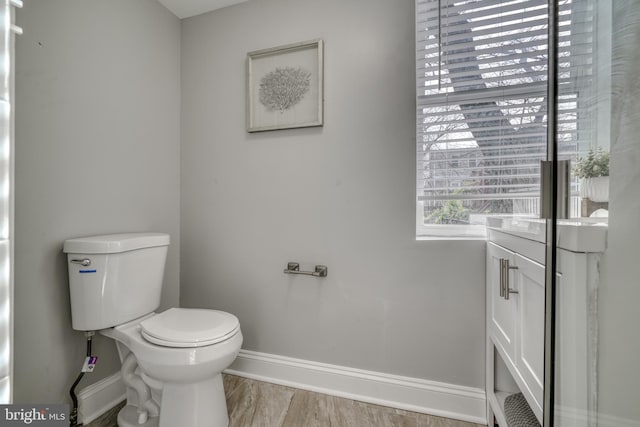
[285, 87]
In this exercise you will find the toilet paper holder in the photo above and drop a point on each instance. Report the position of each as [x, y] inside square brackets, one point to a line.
[294, 268]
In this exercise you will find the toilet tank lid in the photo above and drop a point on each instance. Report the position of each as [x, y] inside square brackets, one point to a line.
[114, 243]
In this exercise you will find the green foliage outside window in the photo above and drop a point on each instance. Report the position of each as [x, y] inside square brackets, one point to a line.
[452, 212]
[594, 165]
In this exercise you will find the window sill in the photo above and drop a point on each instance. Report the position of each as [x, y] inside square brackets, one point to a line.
[451, 232]
[451, 238]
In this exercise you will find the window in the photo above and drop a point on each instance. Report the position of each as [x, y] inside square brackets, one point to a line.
[481, 107]
[6, 196]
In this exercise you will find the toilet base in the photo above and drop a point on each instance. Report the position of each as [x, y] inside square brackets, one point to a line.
[128, 417]
[194, 405]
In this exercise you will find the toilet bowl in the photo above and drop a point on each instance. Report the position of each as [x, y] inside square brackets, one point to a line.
[172, 362]
[185, 370]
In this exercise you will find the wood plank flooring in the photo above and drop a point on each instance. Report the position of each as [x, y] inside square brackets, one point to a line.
[258, 404]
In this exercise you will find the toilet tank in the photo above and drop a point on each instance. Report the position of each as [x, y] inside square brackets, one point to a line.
[114, 278]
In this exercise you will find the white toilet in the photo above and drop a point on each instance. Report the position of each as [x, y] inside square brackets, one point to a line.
[171, 361]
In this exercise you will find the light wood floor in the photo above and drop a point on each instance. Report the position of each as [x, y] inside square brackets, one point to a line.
[258, 404]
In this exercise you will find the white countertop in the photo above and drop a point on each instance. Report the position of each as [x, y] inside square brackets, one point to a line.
[576, 235]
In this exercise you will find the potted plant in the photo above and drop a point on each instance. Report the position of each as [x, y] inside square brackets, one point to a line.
[593, 171]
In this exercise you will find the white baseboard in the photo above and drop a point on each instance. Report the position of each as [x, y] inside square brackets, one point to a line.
[412, 394]
[98, 398]
[572, 417]
[606, 420]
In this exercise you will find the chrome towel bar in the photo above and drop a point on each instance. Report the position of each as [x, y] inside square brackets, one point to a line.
[294, 268]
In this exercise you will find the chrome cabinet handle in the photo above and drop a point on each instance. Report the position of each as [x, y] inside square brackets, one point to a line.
[505, 289]
[86, 262]
[502, 275]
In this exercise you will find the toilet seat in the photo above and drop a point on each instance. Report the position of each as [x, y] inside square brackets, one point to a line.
[189, 327]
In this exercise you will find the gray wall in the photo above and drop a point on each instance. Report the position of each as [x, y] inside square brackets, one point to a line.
[341, 195]
[619, 347]
[97, 151]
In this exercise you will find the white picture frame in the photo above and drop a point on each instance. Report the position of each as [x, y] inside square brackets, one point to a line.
[285, 87]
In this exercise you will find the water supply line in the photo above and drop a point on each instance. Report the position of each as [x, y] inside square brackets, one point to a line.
[73, 418]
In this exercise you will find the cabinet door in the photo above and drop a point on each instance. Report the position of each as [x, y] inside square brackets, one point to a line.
[501, 314]
[529, 356]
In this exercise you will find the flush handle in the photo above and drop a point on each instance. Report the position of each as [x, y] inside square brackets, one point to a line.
[86, 262]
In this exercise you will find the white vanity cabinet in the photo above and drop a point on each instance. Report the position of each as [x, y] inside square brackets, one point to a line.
[515, 307]
[515, 319]
[501, 312]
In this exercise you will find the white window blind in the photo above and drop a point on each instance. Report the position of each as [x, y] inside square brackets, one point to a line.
[482, 102]
[7, 28]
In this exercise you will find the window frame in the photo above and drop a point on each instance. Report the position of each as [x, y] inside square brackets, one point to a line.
[527, 92]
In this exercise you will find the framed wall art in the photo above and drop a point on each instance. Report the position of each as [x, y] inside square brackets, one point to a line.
[285, 87]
